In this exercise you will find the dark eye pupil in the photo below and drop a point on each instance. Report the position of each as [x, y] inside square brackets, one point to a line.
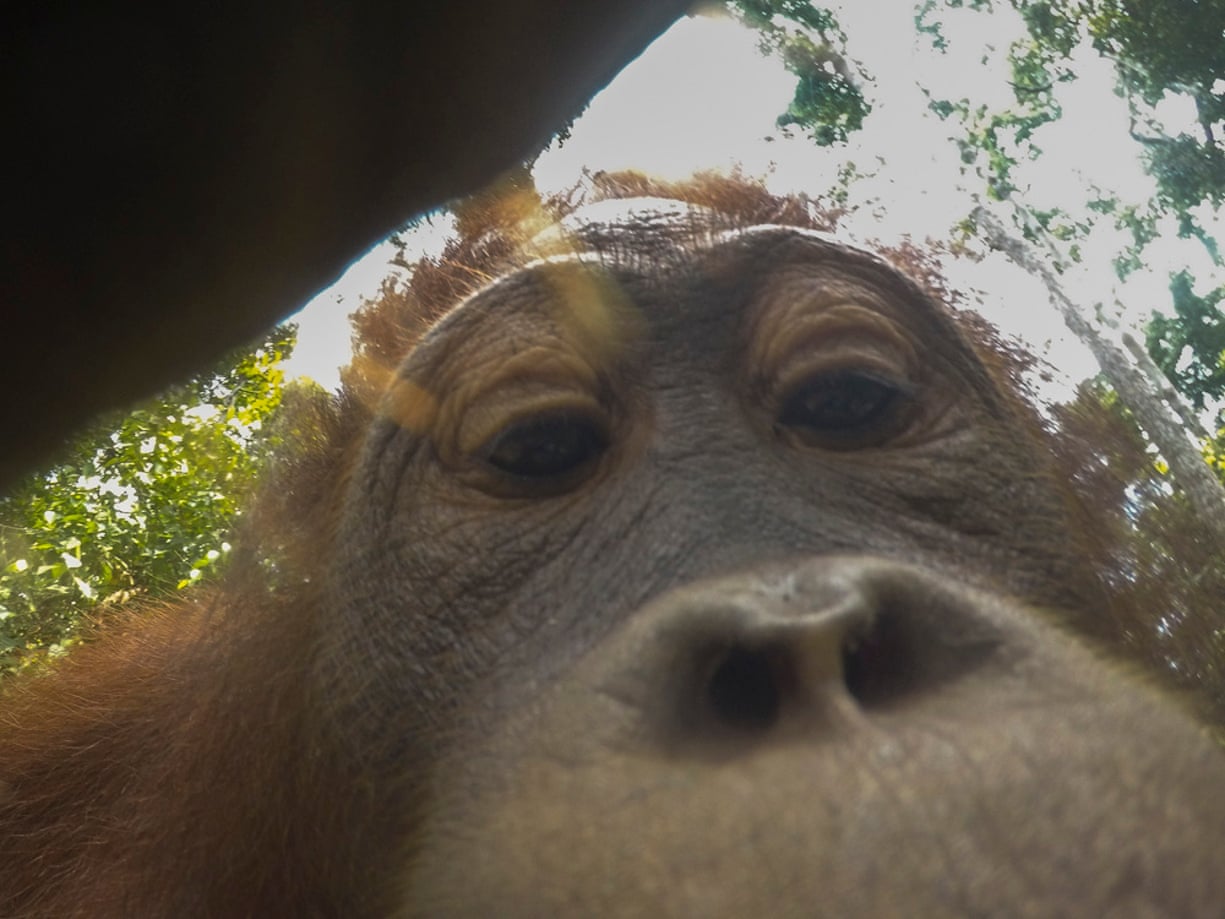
[548, 446]
[842, 402]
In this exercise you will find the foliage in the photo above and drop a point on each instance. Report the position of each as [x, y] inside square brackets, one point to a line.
[828, 102]
[1156, 551]
[1190, 346]
[140, 505]
[998, 140]
[1161, 51]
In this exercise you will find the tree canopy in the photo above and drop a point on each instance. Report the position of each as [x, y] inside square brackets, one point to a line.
[141, 505]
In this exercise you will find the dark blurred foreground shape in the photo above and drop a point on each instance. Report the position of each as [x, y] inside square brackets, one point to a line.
[179, 179]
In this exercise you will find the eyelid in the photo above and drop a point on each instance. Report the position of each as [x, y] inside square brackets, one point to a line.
[485, 421]
[806, 341]
[903, 387]
[488, 394]
[869, 364]
[801, 339]
[779, 330]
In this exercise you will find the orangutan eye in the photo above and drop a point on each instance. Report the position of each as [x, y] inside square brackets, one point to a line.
[547, 446]
[844, 408]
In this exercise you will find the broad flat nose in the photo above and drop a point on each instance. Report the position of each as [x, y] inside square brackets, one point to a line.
[740, 659]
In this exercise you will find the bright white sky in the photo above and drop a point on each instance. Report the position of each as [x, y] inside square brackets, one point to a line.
[703, 97]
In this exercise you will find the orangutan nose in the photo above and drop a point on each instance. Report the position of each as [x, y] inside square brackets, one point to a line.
[801, 648]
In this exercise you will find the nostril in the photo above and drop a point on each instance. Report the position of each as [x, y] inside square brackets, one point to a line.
[899, 656]
[878, 662]
[721, 668]
[743, 691]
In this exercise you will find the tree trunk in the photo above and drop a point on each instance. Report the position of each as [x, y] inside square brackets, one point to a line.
[1144, 389]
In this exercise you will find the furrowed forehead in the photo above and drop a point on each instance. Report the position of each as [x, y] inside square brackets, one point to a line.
[657, 236]
[631, 251]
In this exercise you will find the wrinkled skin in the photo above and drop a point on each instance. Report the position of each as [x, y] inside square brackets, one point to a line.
[682, 572]
[741, 594]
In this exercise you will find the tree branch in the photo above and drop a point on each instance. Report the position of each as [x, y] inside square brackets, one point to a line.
[1165, 426]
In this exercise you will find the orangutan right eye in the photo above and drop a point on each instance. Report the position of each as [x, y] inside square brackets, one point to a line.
[845, 409]
[547, 446]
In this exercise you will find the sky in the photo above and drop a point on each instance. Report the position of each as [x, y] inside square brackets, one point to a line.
[703, 97]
